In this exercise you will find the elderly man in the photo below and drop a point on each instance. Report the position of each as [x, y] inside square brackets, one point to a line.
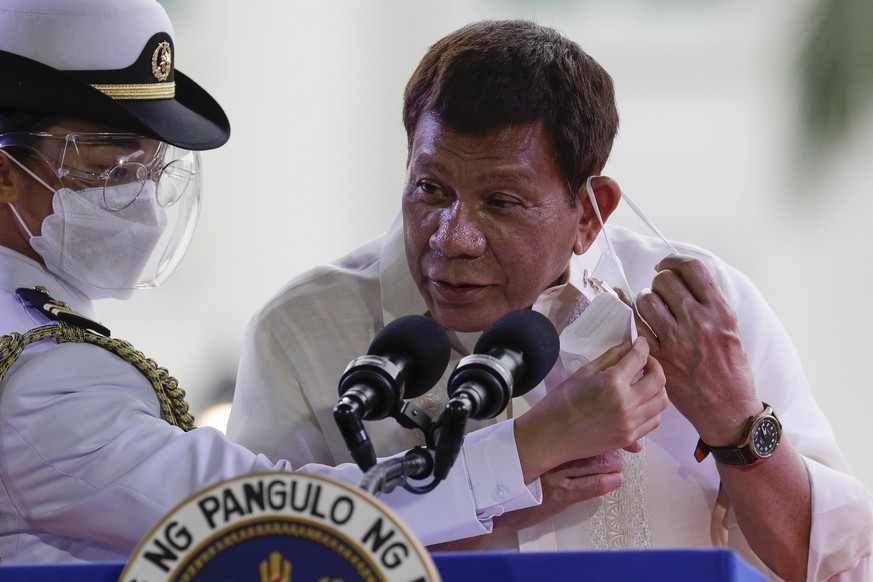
[509, 125]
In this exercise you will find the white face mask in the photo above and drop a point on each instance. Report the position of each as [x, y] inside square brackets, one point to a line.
[99, 251]
[607, 320]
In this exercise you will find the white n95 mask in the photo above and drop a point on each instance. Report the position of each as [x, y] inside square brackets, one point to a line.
[99, 251]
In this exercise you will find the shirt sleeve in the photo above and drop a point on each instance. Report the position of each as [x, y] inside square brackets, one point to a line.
[841, 536]
[87, 455]
[494, 470]
[485, 481]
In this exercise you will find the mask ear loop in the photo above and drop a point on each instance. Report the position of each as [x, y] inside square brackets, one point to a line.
[642, 215]
[28, 171]
[20, 220]
[649, 223]
[612, 252]
[12, 206]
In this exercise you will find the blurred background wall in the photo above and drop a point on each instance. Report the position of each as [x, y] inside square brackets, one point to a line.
[712, 145]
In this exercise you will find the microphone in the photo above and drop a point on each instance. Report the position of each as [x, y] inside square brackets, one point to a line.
[510, 359]
[513, 355]
[405, 359]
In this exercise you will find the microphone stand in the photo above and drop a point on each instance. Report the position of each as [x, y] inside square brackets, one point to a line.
[384, 477]
[452, 424]
[417, 463]
[351, 426]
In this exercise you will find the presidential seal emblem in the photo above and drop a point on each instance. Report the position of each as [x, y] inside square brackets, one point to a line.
[280, 527]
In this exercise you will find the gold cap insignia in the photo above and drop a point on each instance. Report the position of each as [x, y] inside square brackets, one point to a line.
[162, 61]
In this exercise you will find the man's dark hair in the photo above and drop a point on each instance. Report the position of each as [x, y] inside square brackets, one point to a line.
[491, 74]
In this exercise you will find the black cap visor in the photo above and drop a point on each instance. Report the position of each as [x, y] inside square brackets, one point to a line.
[192, 119]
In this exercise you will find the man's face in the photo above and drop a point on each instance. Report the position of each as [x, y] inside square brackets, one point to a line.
[487, 222]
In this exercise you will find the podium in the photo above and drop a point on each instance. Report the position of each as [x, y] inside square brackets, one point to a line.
[703, 565]
[615, 566]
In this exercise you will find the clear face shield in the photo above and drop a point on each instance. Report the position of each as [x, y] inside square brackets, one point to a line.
[124, 206]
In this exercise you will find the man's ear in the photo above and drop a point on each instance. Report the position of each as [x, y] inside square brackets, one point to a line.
[608, 194]
[8, 174]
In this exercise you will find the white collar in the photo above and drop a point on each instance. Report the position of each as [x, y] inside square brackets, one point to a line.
[17, 270]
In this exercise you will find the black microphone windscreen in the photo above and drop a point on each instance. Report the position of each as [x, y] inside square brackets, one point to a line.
[424, 342]
[530, 333]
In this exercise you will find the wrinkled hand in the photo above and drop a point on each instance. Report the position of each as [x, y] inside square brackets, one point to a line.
[572, 482]
[606, 405]
[693, 333]
[563, 486]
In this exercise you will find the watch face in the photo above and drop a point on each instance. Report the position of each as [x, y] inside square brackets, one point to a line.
[765, 437]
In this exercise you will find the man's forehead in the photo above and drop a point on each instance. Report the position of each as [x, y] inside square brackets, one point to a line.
[431, 128]
[515, 152]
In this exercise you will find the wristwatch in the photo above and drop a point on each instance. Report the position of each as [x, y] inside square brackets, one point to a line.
[760, 439]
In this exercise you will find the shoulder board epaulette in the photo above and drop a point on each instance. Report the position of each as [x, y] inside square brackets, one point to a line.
[39, 298]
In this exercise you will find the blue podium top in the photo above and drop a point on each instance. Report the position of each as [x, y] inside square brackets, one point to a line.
[616, 566]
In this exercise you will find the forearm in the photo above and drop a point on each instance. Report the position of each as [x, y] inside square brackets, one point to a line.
[772, 503]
